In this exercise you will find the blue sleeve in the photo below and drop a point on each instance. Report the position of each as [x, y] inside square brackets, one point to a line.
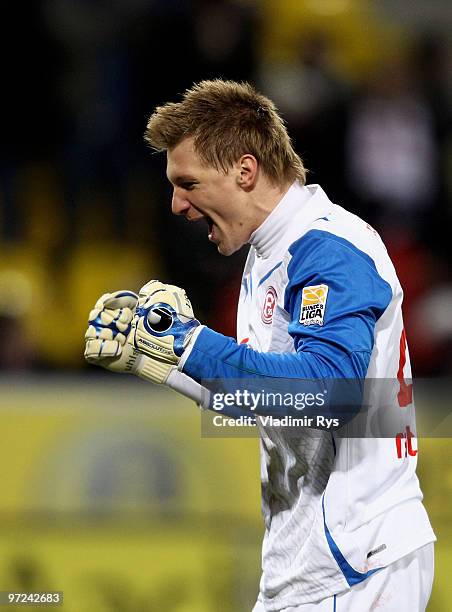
[337, 347]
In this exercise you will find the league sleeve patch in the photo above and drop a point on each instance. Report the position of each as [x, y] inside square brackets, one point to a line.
[313, 303]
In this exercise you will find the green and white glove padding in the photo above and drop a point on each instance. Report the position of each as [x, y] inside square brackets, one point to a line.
[163, 324]
[107, 339]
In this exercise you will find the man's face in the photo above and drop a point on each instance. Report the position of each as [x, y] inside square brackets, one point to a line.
[202, 192]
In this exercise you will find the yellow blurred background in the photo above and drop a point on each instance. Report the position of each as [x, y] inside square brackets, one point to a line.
[110, 494]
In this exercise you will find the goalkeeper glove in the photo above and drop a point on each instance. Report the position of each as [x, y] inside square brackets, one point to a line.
[163, 324]
[108, 338]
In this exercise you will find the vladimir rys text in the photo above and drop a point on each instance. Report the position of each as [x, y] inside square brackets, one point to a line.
[270, 421]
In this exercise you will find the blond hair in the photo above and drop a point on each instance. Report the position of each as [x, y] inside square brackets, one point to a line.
[227, 120]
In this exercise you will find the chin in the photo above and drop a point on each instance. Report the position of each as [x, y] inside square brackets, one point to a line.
[226, 249]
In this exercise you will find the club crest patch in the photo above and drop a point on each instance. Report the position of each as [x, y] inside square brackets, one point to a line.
[313, 303]
[269, 305]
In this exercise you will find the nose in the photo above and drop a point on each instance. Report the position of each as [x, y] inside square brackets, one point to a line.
[179, 204]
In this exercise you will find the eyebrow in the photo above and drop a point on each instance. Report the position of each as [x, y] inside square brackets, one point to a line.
[180, 180]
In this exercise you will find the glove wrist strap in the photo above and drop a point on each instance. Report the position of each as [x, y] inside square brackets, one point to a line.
[153, 370]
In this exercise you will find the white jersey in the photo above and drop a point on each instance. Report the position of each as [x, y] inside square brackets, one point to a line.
[320, 299]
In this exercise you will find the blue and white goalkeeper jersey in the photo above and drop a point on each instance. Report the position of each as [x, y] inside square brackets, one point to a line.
[320, 299]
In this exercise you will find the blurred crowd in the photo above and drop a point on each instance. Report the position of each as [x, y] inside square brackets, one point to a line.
[85, 206]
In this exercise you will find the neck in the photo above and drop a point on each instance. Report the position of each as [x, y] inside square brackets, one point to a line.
[263, 199]
[272, 232]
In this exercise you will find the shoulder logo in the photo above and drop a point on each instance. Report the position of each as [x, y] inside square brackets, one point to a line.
[269, 305]
[313, 302]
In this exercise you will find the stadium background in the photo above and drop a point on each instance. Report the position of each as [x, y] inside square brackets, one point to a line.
[107, 490]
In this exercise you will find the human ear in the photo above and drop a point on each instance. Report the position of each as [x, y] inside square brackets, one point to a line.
[247, 171]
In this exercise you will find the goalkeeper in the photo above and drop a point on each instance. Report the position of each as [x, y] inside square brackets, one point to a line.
[345, 528]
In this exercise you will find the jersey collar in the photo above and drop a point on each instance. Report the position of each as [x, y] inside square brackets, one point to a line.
[274, 228]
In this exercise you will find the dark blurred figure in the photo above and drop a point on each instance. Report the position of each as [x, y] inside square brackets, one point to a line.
[18, 355]
[430, 327]
[31, 121]
[313, 98]
[392, 151]
[432, 57]
[181, 43]
[225, 39]
[16, 301]
[396, 138]
[95, 91]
